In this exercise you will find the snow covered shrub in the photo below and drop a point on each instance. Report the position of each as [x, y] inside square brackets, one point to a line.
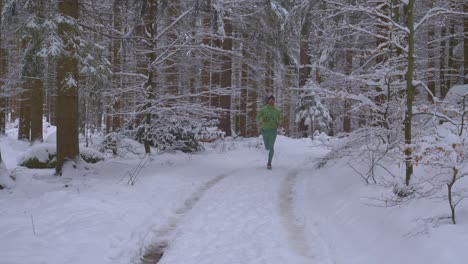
[44, 156]
[179, 136]
[403, 191]
[311, 112]
[368, 151]
[110, 143]
[119, 145]
[209, 134]
[90, 155]
[5, 180]
[169, 134]
[442, 148]
[444, 153]
[232, 144]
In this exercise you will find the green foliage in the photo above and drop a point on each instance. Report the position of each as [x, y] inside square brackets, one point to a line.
[34, 163]
[91, 158]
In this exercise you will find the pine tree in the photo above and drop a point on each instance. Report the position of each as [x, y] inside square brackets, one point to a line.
[67, 86]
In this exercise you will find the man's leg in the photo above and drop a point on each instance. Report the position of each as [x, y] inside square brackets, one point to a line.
[265, 139]
[271, 142]
[270, 155]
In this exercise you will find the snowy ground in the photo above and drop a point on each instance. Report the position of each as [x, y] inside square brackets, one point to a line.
[220, 206]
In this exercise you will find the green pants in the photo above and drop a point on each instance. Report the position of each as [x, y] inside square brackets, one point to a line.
[269, 138]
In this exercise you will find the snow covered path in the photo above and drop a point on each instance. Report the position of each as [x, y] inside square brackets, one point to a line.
[248, 217]
[218, 207]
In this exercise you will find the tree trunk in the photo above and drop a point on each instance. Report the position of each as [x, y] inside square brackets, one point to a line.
[36, 109]
[226, 80]
[452, 72]
[3, 111]
[215, 75]
[205, 74]
[347, 127]
[243, 101]
[116, 54]
[24, 129]
[431, 64]
[252, 96]
[409, 92]
[67, 90]
[36, 75]
[304, 56]
[147, 30]
[3, 73]
[442, 56]
[465, 45]
[304, 68]
[289, 115]
[396, 17]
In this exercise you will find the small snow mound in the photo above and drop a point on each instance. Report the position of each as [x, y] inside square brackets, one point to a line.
[46, 154]
[91, 155]
[231, 144]
[41, 152]
[5, 180]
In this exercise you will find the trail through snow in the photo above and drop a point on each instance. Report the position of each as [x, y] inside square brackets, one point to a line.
[217, 207]
[247, 216]
[154, 252]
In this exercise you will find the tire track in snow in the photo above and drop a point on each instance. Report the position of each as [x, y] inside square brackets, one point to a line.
[295, 229]
[153, 253]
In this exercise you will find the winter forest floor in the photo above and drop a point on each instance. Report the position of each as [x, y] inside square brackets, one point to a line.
[219, 206]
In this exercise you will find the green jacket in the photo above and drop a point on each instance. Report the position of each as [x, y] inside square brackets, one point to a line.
[269, 117]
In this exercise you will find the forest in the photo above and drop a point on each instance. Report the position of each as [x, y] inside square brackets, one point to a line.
[163, 72]
[386, 81]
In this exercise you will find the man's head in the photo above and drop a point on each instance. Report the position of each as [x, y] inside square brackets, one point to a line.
[271, 100]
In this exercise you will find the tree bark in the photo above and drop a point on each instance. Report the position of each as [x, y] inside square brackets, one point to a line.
[24, 129]
[465, 45]
[215, 74]
[67, 90]
[431, 63]
[252, 97]
[3, 73]
[205, 73]
[36, 77]
[410, 90]
[36, 109]
[304, 56]
[243, 100]
[452, 72]
[226, 80]
[148, 30]
[442, 63]
[347, 126]
[116, 53]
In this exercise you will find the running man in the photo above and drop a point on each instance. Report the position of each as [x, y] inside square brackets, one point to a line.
[269, 119]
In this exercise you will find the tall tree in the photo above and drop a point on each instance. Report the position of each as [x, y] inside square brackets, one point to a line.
[452, 72]
[226, 78]
[442, 62]
[147, 29]
[431, 82]
[35, 73]
[465, 44]
[3, 73]
[117, 56]
[67, 86]
[410, 90]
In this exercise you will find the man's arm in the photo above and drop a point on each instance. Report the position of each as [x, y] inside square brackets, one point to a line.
[279, 118]
[259, 118]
